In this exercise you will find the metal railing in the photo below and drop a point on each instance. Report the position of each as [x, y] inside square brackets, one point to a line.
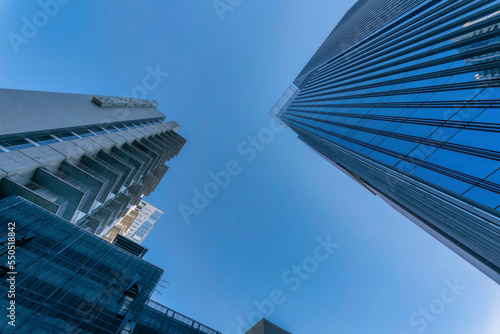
[180, 317]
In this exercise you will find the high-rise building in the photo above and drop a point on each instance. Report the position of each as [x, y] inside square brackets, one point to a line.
[87, 159]
[71, 166]
[66, 280]
[144, 222]
[266, 327]
[403, 96]
[137, 223]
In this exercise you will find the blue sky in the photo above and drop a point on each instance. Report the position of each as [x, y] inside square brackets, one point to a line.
[239, 251]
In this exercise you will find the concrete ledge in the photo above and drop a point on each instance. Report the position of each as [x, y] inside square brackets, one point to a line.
[137, 134]
[16, 162]
[68, 149]
[145, 131]
[45, 156]
[155, 128]
[128, 136]
[88, 145]
[174, 126]
[105, 143]
[116, 138]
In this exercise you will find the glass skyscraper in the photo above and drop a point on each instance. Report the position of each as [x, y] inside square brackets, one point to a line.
[404, 97]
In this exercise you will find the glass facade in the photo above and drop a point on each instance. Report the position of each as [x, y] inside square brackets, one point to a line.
[417, 96]
[70, 281]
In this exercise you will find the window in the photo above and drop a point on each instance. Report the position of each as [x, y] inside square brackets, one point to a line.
[16, 144]
[65, 136]
[98, 131]
[121, 127]
[84, 133]
[111, 128]
[44, 140]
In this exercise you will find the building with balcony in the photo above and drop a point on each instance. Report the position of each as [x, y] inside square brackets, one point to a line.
[87, 159]
[71, 166]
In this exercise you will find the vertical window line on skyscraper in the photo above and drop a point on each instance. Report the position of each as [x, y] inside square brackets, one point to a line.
[382, 29]
[402, 104]
[321, 58]
[454, 124]
[354, 85]
[388, 69]
[364, 54]
[489, 154]
[486, 218]
[445, 171]
[406, 91]
[364, 65]
[483, 217]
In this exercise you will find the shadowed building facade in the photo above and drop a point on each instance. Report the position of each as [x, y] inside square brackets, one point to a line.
[403, 96]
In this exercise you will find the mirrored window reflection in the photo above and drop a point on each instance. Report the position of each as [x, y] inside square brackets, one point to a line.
[486, 197]
[464, 163]
[482, 139]
[441, 180]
